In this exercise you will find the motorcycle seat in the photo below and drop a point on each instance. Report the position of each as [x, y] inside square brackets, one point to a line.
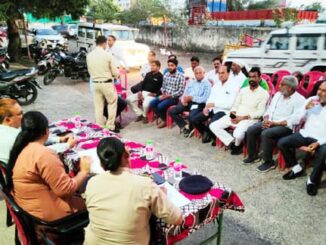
[7, 76]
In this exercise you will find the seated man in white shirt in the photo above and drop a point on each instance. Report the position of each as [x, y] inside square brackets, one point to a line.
[212, 75]
[189, 72]
[279, 120]
[10, 122]
[311, 138]
[237, 74]
[219, 103]
[248, 108]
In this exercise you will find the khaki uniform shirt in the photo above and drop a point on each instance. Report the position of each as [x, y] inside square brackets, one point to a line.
[120, 205]
[100, 65]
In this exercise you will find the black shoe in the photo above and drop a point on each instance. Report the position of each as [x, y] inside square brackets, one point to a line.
[249, 160]
[139, 118]
[115, 131]
[186, 132]
[291, 175]
[266, 166]
[312, 189]
[237, 150]
[206, 138]
[118, 125]
[213, 143]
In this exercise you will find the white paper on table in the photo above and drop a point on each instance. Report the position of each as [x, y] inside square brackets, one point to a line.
[175, 197]
[96, 167]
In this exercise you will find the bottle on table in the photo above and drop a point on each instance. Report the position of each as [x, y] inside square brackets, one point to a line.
[149, 150]
[177, 168]
[77, 121]
[105, 131]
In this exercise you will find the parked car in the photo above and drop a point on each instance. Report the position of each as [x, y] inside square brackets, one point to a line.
[66, 30]
[51, 36]
[299, 48]
[132, 54]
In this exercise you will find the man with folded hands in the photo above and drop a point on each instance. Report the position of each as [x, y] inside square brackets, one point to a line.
[311, 138]
[281, 116]
[193, 100]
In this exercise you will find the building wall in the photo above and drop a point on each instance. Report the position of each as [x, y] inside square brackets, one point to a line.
[199, 38]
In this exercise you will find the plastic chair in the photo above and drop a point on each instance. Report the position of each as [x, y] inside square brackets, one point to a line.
[70, 226]
[277, 77]
[122, 90]
[268, 79]
[308, 81]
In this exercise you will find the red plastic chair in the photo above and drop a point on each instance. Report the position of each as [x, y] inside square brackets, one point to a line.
[308, 81]
[122, 85]
[277, 77]
[271, 87]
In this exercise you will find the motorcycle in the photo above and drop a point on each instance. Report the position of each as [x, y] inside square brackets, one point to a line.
[45, 59]
[19, 85]
[4, 60]
[71, 65]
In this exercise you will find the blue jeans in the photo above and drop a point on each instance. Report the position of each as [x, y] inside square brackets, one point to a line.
[161, 106]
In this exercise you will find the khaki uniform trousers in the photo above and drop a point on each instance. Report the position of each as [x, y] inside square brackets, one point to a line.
[102, 92]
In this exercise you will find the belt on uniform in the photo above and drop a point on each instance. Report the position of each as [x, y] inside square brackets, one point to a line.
[107, 81]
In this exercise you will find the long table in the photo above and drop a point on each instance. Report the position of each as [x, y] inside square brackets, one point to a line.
[198, 211]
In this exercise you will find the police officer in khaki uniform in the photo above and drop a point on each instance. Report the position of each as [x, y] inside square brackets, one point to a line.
[103, 71]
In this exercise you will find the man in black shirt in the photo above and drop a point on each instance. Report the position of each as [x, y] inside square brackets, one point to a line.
[150, 88]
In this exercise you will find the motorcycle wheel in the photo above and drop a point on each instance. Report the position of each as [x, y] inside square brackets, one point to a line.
[49, 77]
[26, 94]
[42, 70]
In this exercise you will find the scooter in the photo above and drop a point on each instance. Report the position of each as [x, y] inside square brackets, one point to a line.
[19, 85]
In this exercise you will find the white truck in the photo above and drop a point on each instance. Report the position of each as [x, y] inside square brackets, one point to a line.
[299, 48]
[131, 53]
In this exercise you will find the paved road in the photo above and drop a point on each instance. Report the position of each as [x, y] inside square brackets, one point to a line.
[277, 212]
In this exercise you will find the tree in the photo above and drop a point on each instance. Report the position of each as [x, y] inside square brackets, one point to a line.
[317, 6]
[143, 10]
[105, 10]
[266, 4]
[237, 5]
[14, 10]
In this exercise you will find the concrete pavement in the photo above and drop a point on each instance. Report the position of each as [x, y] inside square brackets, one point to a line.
[277, 211]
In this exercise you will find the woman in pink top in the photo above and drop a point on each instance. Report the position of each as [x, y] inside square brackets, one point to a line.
[36, 176]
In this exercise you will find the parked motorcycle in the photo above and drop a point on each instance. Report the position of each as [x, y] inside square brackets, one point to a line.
[19, 85]
[71, 65]
[4, 60]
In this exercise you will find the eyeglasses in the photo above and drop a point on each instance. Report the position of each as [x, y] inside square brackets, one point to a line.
[18, 114]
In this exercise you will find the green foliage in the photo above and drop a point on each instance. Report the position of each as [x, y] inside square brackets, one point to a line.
[143, 10]
[266, 4]
[284, 15]
[317, 6]
[238, 5]
[105, 10]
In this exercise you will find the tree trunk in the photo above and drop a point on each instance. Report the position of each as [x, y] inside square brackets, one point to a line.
[14, 45]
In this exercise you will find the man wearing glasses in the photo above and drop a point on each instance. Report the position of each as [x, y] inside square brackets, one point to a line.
[10, 121]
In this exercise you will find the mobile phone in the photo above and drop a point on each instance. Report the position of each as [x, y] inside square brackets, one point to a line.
[232, 116]
[158, 179]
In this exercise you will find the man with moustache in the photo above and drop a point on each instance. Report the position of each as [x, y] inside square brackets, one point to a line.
[193, 101]
[311, 138]
[278, 121]
[248, 108]
[212, 76]
[172, 88]
[219, 103]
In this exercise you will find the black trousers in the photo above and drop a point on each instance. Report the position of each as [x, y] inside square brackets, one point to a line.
[268, 136]
[199, 120]
[176, 113]
[122, 104]
[287, 146]
[318, 163]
